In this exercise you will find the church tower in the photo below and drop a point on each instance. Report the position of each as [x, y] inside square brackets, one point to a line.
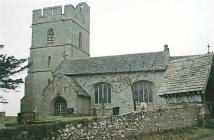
[56, 34]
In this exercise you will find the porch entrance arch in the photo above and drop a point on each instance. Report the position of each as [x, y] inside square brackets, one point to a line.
[59, 106]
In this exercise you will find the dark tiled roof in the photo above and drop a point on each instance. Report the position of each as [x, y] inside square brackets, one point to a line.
[186, 74]
[118, 63]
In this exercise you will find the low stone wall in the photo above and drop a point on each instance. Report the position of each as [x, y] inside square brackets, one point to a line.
[116, 127]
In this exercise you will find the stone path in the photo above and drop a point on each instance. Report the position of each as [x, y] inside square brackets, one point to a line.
[208, 138]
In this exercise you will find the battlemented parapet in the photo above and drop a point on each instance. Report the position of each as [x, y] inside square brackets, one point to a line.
[79, 14]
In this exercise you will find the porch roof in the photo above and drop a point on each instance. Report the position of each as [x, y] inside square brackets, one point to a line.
[187, 74]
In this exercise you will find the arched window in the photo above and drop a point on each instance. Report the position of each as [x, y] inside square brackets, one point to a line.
[49, 60]
[143, 91]
[50, 37]
[80, 40]
[81, 8]
[102, 93]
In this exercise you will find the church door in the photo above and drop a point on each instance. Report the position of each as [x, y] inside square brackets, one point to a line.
[60, 106]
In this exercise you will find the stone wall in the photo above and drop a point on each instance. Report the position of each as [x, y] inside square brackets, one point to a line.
[116, 127]
[121, 89]
[66, 26]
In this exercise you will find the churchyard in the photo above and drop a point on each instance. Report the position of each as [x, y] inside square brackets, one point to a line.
[171, 122]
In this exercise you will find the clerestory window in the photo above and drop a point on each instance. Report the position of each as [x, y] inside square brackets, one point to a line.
[102, 93]
[50, 37]
[143, 91]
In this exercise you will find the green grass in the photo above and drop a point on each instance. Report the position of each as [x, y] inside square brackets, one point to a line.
[12, 120]
[62, 118]
[7, 120]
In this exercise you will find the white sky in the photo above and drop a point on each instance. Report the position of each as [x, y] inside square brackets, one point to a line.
[117, 27]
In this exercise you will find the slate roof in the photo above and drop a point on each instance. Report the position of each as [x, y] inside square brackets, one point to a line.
[118, 63]
[187, 74]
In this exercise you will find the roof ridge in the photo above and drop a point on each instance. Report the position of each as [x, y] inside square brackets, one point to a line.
[189, 57]
[117, 63]
[107, 56]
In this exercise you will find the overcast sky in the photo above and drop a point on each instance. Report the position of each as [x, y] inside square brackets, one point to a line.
[117, 27]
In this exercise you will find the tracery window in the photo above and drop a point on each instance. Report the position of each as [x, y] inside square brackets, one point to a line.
[143, 91]
[102, 93]
[50, 37]
[80, 40]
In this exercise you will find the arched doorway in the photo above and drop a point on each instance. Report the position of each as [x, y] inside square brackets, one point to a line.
[59, 106]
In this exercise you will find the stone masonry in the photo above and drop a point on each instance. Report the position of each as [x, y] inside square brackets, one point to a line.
[66, 25]
[173, 117]
[60, 60]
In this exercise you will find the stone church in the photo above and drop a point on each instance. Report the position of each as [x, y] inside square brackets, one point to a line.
[64, 79]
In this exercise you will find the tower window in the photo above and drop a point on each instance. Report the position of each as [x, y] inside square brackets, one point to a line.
[50, 37]
[81, 8]
[80, 40]
[49, 60]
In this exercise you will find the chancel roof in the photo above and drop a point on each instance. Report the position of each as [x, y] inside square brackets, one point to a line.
[118, 63]
[187, 74]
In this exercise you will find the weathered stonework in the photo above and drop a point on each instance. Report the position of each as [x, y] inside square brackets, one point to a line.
[114, 127]
[66, 26]
[117, 127]
[122, 95]
[65, 53]
[75, 97]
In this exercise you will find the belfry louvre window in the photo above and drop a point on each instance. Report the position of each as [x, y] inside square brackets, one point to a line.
[102, 93]
[50, 37]
[143, 91]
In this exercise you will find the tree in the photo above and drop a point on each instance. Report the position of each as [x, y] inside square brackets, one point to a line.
[9, 67]
[3, 100]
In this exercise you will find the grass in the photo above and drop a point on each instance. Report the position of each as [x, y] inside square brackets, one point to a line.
[12, 120]
[7, 120]
[194, 133]
[62, 118]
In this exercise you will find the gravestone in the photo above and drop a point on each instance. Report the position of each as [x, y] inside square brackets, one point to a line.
[70, 110]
